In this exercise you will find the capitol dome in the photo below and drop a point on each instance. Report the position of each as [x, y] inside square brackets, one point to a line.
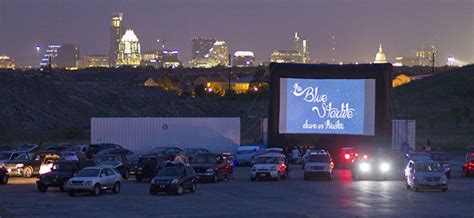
[380, 58]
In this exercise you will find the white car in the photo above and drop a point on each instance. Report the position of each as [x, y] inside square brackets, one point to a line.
[94, 180]
[318, 163]
[269, 166]
[425, 174]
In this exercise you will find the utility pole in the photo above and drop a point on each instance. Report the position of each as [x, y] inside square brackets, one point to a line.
[433, 55]
[228, 68]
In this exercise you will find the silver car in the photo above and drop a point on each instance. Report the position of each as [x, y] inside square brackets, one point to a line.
[425, 174]
[94, 180]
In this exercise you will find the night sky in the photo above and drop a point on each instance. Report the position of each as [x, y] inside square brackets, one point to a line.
[257, 25]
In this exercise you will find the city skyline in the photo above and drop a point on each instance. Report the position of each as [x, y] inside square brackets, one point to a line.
[359, 27]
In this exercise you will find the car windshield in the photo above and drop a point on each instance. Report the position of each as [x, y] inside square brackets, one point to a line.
[438, 156]
[318, 158]
[428, 167]
[5, 156]
[204, 159]
[64, 166]
[244, 151]
[190, 151]
[171, 171]
[88, 173]
[267, 160]
[110, 162]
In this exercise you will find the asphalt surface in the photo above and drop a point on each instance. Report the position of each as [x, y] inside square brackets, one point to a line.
[239, 197]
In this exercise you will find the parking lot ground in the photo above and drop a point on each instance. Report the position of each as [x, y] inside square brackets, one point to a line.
[239, 197]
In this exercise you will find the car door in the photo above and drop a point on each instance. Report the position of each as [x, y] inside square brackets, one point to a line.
[188, 176]
[111, 177]
[221, 167]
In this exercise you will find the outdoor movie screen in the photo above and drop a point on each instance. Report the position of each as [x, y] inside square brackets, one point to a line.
[327, 106]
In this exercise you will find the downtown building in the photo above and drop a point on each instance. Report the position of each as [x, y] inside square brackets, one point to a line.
[243, 59]
[61, 56]
[209, 52]
[6, 62]
[96, 61]
[300, 54]
[129, 50]
[116, 34]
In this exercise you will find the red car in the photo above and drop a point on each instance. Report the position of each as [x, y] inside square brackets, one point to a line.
[347, 156]
[468, 168]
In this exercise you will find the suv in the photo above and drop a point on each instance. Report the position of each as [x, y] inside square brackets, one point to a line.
[121, 167]
[192, 152]
[8, 155]
[28, 165]
[168, 153]
[210, 167]
[347, 157]
[425, 174]
[93, 149]
[318, 163]
[270, 166]
[174, 178]
[94, 180]
[366, 166]
[148, 167]
[468, 167]
[60, 173]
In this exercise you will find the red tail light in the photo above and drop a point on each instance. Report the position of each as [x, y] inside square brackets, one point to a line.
[347, 156]
[281, 167]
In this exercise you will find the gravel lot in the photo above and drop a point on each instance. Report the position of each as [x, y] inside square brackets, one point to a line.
[239, 197]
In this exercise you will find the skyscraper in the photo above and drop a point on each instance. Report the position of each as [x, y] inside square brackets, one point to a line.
[6, 62]
[243, 59]
[302, 47]
[129, 50]
[200, 48]
[218, 55]
[68, 56]
[299, 55]
[115, 36]
[50, 57]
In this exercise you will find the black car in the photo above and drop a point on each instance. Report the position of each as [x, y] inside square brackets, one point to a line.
[191, 152]
[210, 167]
[57, 148]
[367, 166]
[169, 153]
[61, 171]
[121, 167]
[3, 176]
[174, 178]
[28, 164]
[148, 167]
[96, 148]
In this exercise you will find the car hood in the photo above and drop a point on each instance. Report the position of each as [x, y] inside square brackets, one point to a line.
[264, 166]
[165, 178]
[84, 179]
[202, 165]
[430, 174]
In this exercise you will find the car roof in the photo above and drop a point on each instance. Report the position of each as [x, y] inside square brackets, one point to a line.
[246, 148]
[271, 155]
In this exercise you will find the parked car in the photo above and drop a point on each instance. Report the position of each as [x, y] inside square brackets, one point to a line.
[425, 174]
[148, 167]
[174, 178]
[468, 167]
[8, 155]
[60, 173]
[3, 175]
[96, 148]
[318, 163]
[29, 165]
[75, 152]
[121, 167]
[367, 166]
[57, 147]
[245, 155]
[347, 156]
[169, 153]
[27, 148]
[133, 163]
[269, 166]
[108, 157]
[94, 180]
[210, 167]
[191, 152]
[440, 157]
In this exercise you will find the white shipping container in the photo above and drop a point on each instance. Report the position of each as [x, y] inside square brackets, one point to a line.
[403, 131]
[144, 133]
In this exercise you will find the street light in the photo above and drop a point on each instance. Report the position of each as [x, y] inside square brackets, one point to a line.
[451, 60]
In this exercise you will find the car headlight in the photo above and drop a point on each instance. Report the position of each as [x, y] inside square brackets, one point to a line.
[364, 167]
[253, 169]
[88, 183]
[174, 181]
[384, 167]
[210, 170]
[273, 168]
[20, 165]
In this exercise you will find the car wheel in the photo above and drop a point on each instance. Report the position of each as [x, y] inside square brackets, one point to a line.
[42, 188]
[180, 190]
[4, 179]
[415, 188]
[28, 173]
[215, 179]
[444, 189]
[96, 191]
[193, 188]
[126, 175]
[138, 179]
[448, 174]
[71, 193]
[116, 188]
[61, 188]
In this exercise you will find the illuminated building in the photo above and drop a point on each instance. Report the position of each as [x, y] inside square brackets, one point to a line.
[96, 61]
[424, 57]
[6, 62]
[218, 54]
[243, 59]
[302, 47]
[67, 56]
[169, 59]
[283, 56]
[200, 48]
[380, 57]
[221, 84]
[50, 57]
[115, 37]
[129, 50]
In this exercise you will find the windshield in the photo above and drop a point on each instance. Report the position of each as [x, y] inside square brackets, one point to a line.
[205, 159]
[88, 173]
[267, 160]
[171, 171]
[318, 158]
[245, 152]
[428, 167]
[438, 156]
[5, 156]
[64, 166]
[189, 151]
